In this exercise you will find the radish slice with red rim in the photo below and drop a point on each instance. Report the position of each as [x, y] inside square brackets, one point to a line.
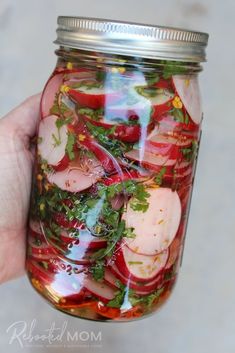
[110, 279]
[49, 93]
[52, 141]
[174, 252]
[35, 226]
[89, 94]
[160, 99]
[187, 88]
[140, 267]
[76, 179]
[86, 239]
[151, 160]
[156, 228]
[142, 288]
[71, 250]
[125, 133]
[38, 272]
[99, 289]
[40, 247]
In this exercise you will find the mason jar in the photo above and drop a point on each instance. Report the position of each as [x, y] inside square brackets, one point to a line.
[117, 145]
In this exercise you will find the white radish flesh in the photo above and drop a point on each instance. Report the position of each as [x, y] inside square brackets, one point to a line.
[144, 267]
[93, 90]
[75, 179]
[49, 93]
[140, 288]
[52, 141]
[174, 252]
[187, 88]
[101, 290]
[156, 137]
[162, 97]
[35, 226]
[151, 158]
[156, 228]
[110, 278]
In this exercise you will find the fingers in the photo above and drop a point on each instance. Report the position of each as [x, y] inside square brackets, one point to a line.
[12, 255]
[25, 116]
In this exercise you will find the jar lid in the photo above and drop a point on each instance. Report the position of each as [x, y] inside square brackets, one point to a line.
[131, 39]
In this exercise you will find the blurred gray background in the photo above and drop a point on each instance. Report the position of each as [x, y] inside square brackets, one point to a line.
[200, 316]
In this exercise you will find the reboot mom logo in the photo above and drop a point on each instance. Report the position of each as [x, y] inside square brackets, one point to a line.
[28, 334]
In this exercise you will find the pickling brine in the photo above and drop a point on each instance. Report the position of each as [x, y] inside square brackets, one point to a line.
[117, 144]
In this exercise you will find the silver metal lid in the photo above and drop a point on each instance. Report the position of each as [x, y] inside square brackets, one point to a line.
[131, 39]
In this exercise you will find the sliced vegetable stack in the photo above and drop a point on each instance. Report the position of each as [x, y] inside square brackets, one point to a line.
[116, 156]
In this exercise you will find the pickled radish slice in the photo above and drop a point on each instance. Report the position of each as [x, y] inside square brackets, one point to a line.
[40, 247]
[110, 279]
[122, 132]
[151, 160]
[174, 252]
[118, 178]
[38, 272]
[93, 97]
[156, 138]
[167, 145]
[140, 267]
[52, 141]
[159, 100]
[142, 288]
[49, 93]
[100, 290]
[86, 239]
[156, 228]
[35, 226]
[187, 88]
[161, 103]
[162, 97]
[76, 179]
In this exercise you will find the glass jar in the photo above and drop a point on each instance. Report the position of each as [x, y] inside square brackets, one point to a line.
[117, 145]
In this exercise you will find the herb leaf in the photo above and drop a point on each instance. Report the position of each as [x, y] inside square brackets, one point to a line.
[70, 145]
[190, 152]
[159, 178]
[139, 201]
[116, 147]
[97, 270]
[171, 68]
[178, 115]
[61, 121]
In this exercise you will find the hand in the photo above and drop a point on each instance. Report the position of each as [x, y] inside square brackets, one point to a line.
[16, 161]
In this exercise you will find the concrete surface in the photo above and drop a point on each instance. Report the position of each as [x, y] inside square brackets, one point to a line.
[200, 317]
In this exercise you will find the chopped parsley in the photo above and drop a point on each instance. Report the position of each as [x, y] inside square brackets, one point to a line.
[119, 298]
[137, 191]
[103, 135]
[126, 294]
[100, 75]
[152, 78]
[61, 122]
[92, 113]
[57, 140]
[159, 178]
[97, 270]
[147, 300]
[70, 145]
[190, 153]
[62, 110]
[171, 68]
